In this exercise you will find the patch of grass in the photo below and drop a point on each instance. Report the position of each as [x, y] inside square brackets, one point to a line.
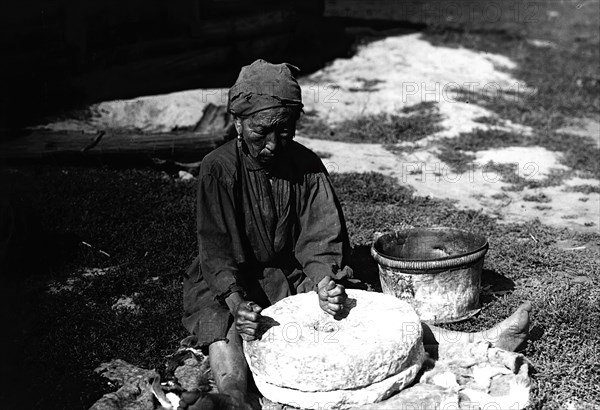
[577, 153]
[488, 120]
[146, 223]
[422, 107]
[481, 139]
[584, 189]
[368, 85]
[500, 196]
[378, 128]
[508, 173]
[536, 198]
[458, 160]
[323, 155]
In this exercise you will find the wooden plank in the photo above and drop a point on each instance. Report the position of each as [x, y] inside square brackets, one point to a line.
[72, 146]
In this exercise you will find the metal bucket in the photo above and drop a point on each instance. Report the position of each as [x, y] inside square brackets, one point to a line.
[436, 270]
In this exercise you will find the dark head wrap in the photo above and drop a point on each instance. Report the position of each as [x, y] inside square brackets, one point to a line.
[262, 85]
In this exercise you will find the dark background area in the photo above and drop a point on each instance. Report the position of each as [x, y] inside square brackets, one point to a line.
[62, 54]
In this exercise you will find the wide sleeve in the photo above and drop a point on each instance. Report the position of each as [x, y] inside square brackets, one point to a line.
[219, 242]
[322, 244]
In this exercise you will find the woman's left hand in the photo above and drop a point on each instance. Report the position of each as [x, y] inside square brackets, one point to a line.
[331, 296]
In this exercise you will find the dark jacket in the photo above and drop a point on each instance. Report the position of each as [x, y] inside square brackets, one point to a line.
[265, 235]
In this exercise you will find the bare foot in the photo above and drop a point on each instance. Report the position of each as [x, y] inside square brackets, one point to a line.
[198, 401]
[511, 332]
[210, 401]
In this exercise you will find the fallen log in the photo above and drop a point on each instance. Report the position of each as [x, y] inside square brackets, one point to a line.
[76, 147]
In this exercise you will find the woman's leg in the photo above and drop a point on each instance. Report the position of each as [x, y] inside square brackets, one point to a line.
[230, 371]
[228, 365]
[507, 335]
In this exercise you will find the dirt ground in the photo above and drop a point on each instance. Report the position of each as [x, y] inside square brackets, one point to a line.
[385, 76]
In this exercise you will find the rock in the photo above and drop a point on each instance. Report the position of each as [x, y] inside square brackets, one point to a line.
[128, 397]
[309, 351]
[483, 374]
[341, 399]
[135, 392]
[510, 360]
[120, 372]
[192, 375]
[463, 355]
[190, 368]
[185, 176]
[487, 377]
[126, 304]
[446, 380]
[418, 397]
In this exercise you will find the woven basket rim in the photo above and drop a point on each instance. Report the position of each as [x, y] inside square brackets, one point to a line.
[430, 264]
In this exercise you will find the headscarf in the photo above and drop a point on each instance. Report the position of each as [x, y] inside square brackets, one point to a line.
[262, 85]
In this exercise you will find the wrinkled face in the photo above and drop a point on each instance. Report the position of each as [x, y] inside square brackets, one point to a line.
[267, 132]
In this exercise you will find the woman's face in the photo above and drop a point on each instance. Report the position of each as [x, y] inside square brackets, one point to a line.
[267, 133]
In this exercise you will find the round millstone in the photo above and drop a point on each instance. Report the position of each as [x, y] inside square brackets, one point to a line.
[308, 350]
[343, 398]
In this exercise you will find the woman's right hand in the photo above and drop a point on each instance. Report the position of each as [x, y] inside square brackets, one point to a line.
[247, 320]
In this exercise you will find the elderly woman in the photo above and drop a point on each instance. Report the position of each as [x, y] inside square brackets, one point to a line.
[269, 226]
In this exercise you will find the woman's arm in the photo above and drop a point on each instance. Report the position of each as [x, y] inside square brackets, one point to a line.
[219, 242]
[322, 244]
[221, 250]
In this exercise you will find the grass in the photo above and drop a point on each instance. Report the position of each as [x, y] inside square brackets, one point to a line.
[584, 189]
[577, 153]
[508, 173]
[536, 198]
[145, 222]
[565, 76]
[407, 126]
